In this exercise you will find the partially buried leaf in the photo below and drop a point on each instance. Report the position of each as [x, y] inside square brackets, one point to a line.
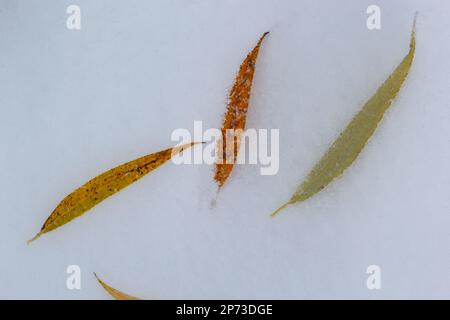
[352, 140]
[105, 185]
[116, 294]
[235, 116]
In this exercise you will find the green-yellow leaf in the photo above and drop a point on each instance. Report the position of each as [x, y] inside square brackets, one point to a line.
[352, 140]
[105, 185]
[116, 294]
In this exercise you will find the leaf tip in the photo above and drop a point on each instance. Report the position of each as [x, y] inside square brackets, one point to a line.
[265, 34]
[35, 237]
[97, 278]
[279, 209]
[191, 144]
[413, 32]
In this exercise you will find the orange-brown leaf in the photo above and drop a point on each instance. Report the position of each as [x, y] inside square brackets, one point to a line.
[235, 116]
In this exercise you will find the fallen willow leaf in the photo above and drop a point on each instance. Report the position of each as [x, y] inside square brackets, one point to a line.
[116, 294]
[235, 116]
[101, 187]
[352, 140]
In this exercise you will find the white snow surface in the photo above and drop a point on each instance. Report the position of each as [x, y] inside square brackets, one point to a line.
[75, 103]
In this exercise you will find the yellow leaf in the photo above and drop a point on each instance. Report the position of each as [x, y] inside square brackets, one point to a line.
[352, 140]
[116, 294]
[105, 185]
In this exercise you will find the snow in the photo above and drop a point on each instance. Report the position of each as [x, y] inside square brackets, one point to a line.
[75, 103]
